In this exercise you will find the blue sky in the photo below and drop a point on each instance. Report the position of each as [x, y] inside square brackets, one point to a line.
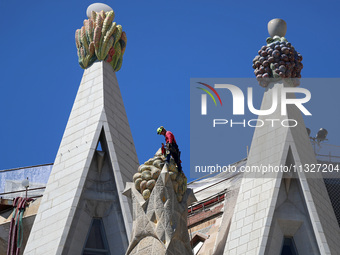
[169, 42]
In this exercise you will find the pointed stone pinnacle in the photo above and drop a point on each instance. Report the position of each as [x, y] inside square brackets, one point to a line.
[78, 182]
[127, 190]
[135, 195]
[165, 173]
[190, 197]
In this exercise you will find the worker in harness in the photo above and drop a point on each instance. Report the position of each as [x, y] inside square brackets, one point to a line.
[171, 147]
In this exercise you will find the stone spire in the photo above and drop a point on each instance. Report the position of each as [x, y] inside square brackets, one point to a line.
[275, 205]
[95, 159]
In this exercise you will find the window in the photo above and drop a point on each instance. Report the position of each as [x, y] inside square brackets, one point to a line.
[197, 242]
[96, 242]
[288, 247]
[197, 247]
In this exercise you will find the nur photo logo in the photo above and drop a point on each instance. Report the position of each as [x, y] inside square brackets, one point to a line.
[204, 97]
[238, 99]
[280, 98]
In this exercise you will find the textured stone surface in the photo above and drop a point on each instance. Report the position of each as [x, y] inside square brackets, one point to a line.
[148, 174]
[159, 223]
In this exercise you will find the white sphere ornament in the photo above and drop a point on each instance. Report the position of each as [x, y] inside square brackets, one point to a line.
[25, 183]
[277, 27]
[97, 7]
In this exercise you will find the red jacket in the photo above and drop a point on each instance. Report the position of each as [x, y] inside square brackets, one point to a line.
[169, 137]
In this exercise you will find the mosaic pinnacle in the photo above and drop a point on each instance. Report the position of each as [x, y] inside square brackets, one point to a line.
[101, 39]
[278, 59]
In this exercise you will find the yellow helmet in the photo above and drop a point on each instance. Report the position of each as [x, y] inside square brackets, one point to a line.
[159, 130]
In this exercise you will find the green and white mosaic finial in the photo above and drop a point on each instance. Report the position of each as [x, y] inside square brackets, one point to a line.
[278, 59]
[100, 38]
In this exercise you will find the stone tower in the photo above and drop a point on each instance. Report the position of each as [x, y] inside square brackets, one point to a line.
[83, 208]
